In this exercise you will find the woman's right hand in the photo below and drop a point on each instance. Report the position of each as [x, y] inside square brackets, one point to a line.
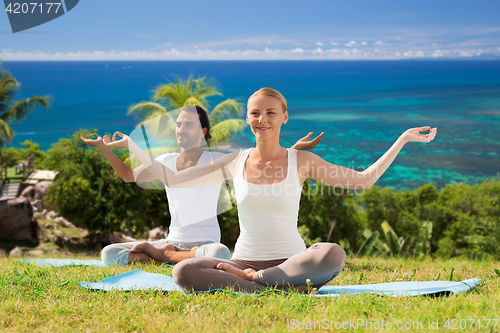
[413, 134]
[122, 143]
[99, 143]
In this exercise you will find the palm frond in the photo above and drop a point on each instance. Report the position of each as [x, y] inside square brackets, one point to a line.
[226, 129]
[7, 82]
[194, 100]
[6, 132]
[160, 128]
[172, 95]
[206, 87]
[20, 109]
[8, 86]
[228, 108]
[146, 109]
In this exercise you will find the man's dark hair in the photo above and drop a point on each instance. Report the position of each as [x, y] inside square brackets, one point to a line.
[202, 114]
[205, 123]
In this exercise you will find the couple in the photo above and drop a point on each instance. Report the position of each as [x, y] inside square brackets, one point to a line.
[187, 237]
[268, 180]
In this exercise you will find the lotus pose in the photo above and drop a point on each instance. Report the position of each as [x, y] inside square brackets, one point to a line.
[188, 236]
[268, 181]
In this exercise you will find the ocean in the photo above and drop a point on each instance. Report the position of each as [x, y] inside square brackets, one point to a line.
[362, 106]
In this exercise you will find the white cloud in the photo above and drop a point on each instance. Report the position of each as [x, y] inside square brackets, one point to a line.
[351, 43]
[437, 54]
[379, 42]
[333, 43]
[264, 53]
[364, 43]
[250, 41]
[319, 44]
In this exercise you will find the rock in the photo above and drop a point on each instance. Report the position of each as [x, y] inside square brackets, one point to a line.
[129, 239]
[84, 234]
[48, 226]
[37, 253]
[39, 204]
[41, 189]
[16, 252]
[157, 234]
[28, 192]
[60, 238]
[63, 222]
[116, 237]
[39, 216]
[17, 221]
[50, 215]
[2, 254]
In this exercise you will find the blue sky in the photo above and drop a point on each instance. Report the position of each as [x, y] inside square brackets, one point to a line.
[273, 29]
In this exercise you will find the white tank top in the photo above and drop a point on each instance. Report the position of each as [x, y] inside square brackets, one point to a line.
[268, 214]
[193, 210]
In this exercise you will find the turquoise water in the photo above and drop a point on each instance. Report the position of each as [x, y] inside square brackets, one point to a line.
[362, 106]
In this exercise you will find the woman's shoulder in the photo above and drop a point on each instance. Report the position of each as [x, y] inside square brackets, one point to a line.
[305, 155]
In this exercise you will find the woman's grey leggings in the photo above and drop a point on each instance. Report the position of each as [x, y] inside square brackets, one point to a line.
[320, 263]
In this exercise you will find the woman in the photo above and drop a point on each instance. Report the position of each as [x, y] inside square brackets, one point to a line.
[268, 180]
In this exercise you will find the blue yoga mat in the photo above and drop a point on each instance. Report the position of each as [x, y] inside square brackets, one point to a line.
[398, 289]
[56, 262]
[52, 262]
[139, 280]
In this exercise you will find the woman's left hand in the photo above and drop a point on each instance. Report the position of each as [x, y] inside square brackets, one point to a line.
[305, 143]
[413, 134]
[122, 143]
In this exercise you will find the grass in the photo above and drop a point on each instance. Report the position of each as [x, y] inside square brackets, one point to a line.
[34, 299]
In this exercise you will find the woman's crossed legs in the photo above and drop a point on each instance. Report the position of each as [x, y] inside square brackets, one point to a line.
[320, 263]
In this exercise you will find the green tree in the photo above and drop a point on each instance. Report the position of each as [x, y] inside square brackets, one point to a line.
[12, 110]
[224, 117]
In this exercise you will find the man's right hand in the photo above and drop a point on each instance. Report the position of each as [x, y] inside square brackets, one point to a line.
[93, 143]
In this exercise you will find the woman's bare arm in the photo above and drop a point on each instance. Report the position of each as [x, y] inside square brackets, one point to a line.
[313, 166]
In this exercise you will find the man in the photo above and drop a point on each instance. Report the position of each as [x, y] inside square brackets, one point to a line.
[194, 230]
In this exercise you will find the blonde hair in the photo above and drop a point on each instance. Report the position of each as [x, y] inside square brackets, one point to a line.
[271, 92]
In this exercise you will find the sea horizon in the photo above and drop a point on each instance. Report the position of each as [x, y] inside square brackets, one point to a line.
[361, 105]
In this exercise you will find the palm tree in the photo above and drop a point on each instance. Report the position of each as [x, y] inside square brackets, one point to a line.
[12, 110]
[223, 118]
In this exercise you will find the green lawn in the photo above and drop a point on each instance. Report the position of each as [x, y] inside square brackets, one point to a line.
[49, 300]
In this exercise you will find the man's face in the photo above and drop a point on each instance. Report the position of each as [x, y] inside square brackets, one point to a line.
[188, 130]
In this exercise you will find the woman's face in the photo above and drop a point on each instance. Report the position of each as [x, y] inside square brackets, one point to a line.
[265, 115]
